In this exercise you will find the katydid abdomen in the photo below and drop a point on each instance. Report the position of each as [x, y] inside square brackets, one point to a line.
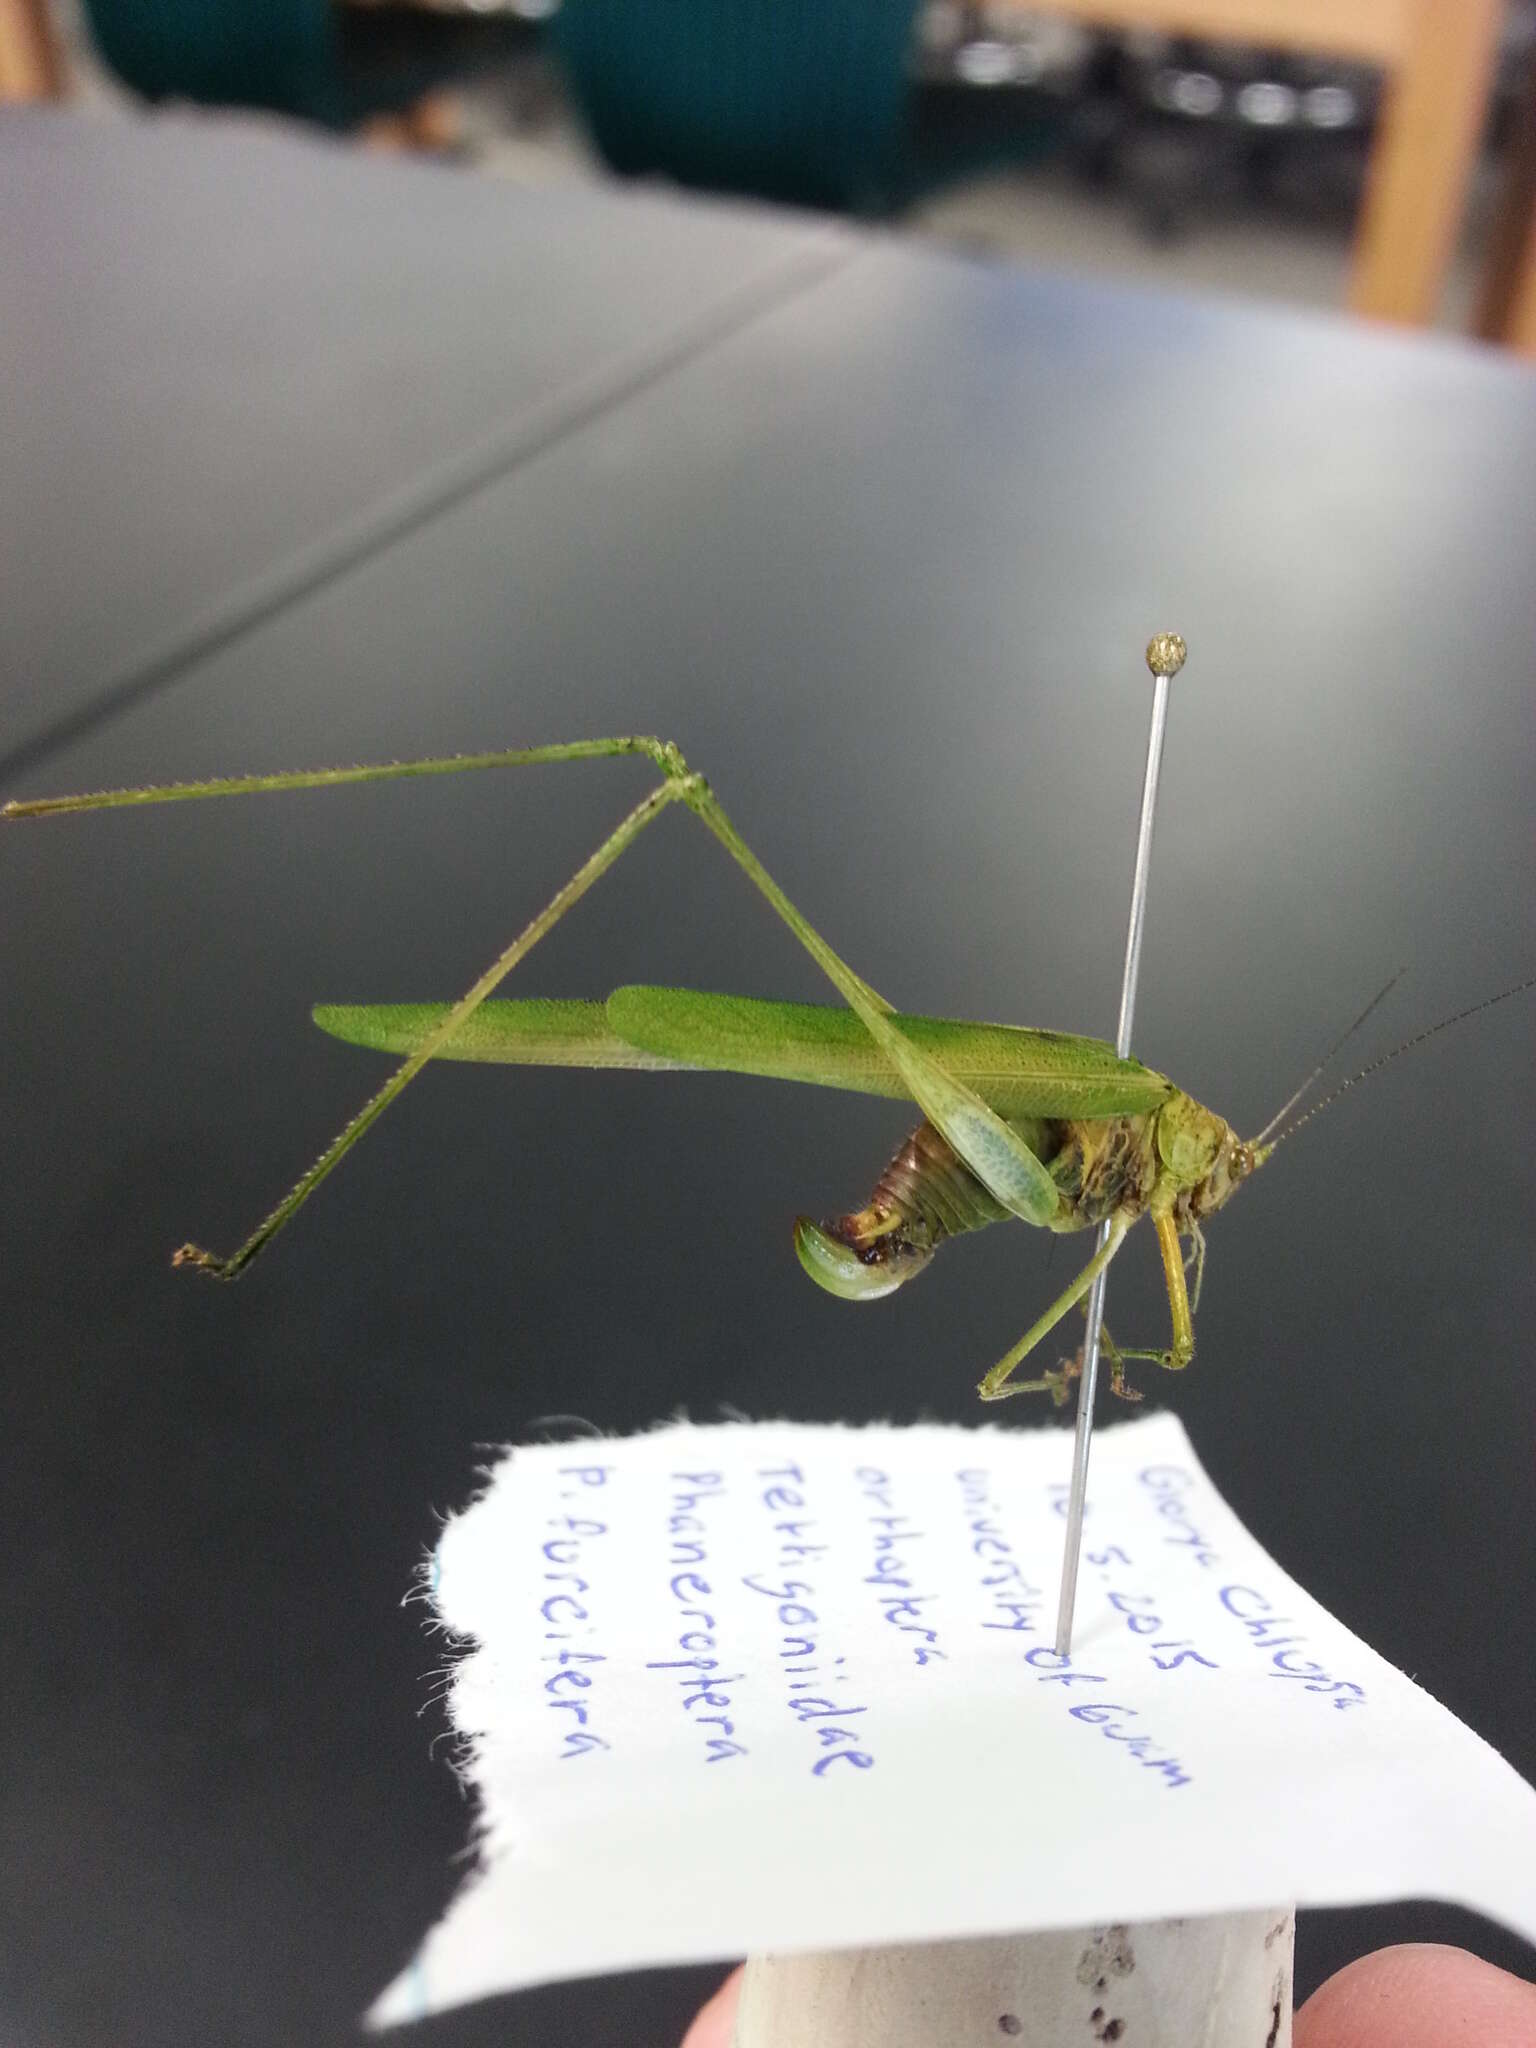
[1101, 1166]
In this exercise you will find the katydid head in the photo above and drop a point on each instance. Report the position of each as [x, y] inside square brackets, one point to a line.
[1190, 1139]
[1202, 1155]
[1236, 1160]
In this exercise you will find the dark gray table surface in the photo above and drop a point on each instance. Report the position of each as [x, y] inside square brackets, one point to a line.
[880, 553]
[235, 362]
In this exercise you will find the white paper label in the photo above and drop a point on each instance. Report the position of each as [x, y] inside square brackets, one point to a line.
[767, 1687]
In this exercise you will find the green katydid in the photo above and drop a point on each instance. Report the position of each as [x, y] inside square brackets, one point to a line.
[1044, 1126]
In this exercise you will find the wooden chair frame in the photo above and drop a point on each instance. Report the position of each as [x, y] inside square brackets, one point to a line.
[1439, 57]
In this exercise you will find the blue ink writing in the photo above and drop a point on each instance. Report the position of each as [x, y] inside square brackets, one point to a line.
[900, 1601]
[1052, 1668]
[1014, 1602]
[1139, 1611]
[706, 1695]
[812, 1675]
[1170, 1486]
[1282, 1642]
[566, 1616]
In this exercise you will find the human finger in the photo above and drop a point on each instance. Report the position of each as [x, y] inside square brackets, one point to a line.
[715, 2024]
[1419, 1996]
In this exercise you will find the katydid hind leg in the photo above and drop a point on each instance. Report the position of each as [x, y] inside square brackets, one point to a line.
[991, 1148]
[660, 753]
[596, 864]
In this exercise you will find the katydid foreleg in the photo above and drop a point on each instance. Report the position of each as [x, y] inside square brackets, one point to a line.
[996, 1386]
[1196, 1258]
[1178, 1298]
[1071, 1369]
[1181, 1310]
[1115, 1358]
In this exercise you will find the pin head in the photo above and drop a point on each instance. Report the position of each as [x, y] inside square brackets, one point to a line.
[1165, 654]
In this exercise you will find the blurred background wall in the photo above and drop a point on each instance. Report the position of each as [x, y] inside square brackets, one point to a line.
[1378, 155]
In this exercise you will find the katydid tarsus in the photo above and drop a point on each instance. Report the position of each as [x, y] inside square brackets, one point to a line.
[1044, 1126]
